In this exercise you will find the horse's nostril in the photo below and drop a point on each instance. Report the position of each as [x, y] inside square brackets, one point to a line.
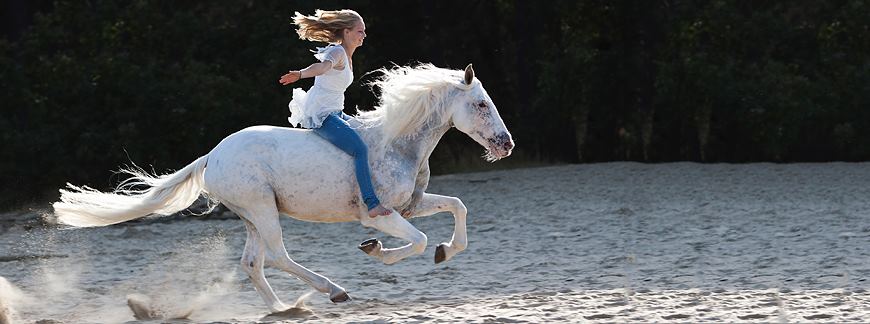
[507, 143]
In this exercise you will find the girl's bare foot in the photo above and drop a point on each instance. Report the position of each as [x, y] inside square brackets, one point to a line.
[379, 211]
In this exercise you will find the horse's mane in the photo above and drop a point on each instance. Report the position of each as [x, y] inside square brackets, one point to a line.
[410, 98]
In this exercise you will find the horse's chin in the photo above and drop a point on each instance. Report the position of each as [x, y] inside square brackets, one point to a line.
[492, 155]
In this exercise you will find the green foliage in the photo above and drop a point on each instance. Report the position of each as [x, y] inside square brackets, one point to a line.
[97, 84]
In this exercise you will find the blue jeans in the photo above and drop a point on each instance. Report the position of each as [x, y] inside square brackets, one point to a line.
[337, 131]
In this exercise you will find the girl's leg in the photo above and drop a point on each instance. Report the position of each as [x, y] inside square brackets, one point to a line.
[338, 132]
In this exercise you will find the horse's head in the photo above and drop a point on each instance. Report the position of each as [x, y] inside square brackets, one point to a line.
[474, 113]
[420, 99]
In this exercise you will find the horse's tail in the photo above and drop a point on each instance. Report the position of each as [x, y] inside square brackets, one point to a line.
[164, 195]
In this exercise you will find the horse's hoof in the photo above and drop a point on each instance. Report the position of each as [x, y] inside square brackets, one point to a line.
[440, 253]
[340, 298]
[369, 245]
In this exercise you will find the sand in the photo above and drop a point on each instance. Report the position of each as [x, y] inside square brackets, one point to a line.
[613, 242]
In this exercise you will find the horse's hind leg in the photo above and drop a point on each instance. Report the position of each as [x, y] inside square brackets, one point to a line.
[395, 225]
[252, 262]
[265, 220]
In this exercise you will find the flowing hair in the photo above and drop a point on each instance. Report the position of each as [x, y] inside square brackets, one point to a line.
[326, 25]
[411, 97]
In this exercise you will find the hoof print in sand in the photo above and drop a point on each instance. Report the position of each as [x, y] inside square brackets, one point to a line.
[292, 312]
[297, 311]
[142, 310]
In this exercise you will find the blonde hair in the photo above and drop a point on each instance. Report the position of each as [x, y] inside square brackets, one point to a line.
[325, 26]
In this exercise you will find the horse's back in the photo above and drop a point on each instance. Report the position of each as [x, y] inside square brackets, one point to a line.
[308, 176]
[262, 136]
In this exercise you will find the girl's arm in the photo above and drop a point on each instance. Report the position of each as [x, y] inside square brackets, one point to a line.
[311, 71]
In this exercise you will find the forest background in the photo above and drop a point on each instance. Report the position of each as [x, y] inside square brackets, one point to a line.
[88, 86]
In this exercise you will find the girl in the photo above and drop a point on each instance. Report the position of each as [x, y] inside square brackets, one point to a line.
[321, 108]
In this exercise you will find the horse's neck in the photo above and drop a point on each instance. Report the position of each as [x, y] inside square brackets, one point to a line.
[416, 149]
[422, 144]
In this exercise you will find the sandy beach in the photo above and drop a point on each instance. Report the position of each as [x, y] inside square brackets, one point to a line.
[612, 242]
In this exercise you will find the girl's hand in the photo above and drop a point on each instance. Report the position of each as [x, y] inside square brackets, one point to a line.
[290, 77]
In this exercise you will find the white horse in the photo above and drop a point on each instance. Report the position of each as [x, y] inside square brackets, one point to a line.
[262, 172]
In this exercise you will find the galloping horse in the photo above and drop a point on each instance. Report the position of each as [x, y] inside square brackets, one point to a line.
[262, 172]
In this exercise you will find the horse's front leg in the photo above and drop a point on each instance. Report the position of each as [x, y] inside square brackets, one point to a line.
[395, 225]
[432, 204]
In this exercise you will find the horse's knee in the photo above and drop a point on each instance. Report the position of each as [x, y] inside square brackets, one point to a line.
[418, 243]
[461, 210]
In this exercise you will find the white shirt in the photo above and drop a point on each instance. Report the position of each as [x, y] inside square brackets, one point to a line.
[308, 109]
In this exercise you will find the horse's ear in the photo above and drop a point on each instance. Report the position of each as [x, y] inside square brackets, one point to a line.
[469, 74]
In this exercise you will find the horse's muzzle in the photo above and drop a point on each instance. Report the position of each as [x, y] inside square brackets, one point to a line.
[502, 145]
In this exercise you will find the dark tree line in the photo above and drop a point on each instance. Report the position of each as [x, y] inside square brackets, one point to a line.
[91, 85]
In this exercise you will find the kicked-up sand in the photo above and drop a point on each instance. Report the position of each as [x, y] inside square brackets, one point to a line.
[9, 294]
[614, 242]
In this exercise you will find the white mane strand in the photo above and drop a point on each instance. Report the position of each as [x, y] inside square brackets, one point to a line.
[410, 98]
